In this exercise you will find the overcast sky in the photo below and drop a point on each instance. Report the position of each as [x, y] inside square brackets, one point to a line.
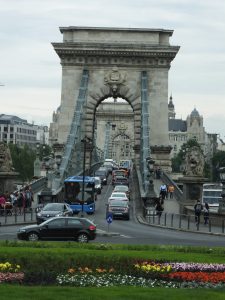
[31, 72]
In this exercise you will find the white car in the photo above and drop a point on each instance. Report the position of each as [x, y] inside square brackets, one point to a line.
[118, 196]
[123, 189]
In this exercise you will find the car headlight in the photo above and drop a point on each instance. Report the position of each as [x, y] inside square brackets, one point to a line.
[38, 214]
[59, 215]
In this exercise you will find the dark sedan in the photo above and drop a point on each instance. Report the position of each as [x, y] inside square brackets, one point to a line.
[53, 210]
[60, 228]
[118, 209]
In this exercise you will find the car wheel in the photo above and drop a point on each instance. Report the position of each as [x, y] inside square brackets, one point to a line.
[82, 238]
[33, 237]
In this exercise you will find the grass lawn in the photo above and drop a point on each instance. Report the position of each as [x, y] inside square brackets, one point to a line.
[111, 293]
[44, 256]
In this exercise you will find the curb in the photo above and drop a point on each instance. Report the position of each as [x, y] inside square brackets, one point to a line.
[142, 221]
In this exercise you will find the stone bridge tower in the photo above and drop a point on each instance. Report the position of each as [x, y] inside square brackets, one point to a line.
[115, 59]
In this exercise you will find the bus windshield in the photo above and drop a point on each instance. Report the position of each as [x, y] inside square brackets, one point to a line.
[78, 190]
[211, 194]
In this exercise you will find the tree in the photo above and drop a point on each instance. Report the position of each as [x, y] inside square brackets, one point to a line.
[23, 161]
[218, 161]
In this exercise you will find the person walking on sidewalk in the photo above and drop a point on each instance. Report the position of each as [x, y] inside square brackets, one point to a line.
[171, 191]
[198, 209]
[163, 191]
[206, 213]
[159, 207]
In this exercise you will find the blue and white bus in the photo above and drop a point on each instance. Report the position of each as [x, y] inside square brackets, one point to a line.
[80, 193]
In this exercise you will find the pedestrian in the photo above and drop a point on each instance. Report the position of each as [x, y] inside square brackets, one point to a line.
[28, 197]
[159, 208]
[198, 209]
[2, 204]
[20, 202]
[163, 191]
[206, 213]
[158, 173]
[171, 191]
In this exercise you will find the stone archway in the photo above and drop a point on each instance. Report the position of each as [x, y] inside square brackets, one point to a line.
[115, 59]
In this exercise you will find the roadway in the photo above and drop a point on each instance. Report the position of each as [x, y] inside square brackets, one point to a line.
[133, 231]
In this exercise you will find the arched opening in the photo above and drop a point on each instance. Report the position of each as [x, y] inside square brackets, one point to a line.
[114, 128]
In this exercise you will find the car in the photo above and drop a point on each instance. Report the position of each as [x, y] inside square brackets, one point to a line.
[122, 188]
[118, 209]
[60, 228]
[108, 166]
[102, 173]
[53, 210]
[118, 173]
[98, 185]
[118, 196]
[120, 180]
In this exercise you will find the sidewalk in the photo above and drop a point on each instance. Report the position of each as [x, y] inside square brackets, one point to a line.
[172, 219]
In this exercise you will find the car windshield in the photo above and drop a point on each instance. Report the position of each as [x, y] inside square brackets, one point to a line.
[53, 207]
[119, 195]
[120, 188]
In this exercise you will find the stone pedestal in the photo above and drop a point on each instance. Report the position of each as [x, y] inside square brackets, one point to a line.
[7, 180]
[161, 155]
[192, 190]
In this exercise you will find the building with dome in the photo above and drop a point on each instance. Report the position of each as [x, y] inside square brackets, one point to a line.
[180, 131]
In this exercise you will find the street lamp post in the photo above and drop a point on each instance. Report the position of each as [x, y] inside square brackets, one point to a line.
[37, 162]
[151, 192]
[85, 140]
[222, 201]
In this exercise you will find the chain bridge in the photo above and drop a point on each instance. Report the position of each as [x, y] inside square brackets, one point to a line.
[130, 66]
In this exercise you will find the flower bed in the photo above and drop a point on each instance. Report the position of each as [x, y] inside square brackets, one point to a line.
[10, 273]
[150, 274]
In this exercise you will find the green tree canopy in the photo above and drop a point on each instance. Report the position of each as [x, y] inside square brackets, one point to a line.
[218, 161]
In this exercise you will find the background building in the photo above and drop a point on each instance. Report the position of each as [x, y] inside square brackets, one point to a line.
[18, 131]
[180, 131]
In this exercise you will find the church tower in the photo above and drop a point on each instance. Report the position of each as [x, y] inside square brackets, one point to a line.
[195, 128]
[171, 110]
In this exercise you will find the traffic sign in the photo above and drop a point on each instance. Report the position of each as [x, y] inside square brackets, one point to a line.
[109, 218]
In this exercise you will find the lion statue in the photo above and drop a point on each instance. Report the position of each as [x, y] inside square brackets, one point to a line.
[5, 158]
[194, 162]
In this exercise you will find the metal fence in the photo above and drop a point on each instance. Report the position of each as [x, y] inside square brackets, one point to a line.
[11, 217]
[184, 222]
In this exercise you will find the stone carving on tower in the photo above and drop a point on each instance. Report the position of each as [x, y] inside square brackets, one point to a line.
[122, 127]
[115, 79]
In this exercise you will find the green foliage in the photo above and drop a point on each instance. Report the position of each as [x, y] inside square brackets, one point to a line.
[218, 161]
[43, 151]
[47, 260]
[23, 161]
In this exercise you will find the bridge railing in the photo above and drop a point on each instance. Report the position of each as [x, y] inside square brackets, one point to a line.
[184, 222]
[178, 193]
